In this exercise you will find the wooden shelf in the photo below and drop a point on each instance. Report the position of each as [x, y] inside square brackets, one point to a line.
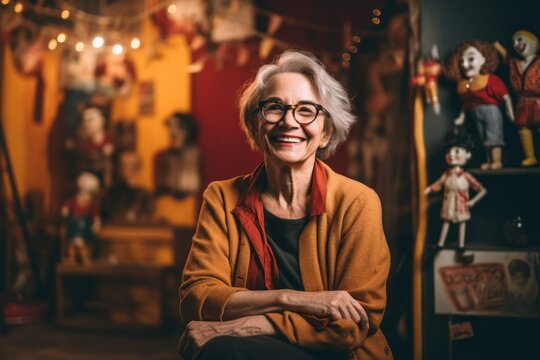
[533, 170]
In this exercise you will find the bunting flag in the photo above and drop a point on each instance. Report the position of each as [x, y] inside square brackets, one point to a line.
[206, 24]
[265, 47]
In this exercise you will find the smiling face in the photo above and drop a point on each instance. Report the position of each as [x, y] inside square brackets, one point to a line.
[287, 142]
[471, 62]
[457, 156]
[524, 45]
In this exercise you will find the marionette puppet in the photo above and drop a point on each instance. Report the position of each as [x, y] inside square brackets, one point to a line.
[82, 219]
[456, 183]
[472, 65]
[524, 74]
[126, 201]
[427, 74]
[95, 146]
[177, 168]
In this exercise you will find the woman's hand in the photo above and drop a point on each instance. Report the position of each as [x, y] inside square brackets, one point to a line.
[335, 305]
[198, 333]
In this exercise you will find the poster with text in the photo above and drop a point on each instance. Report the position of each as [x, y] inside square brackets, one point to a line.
[496, 283]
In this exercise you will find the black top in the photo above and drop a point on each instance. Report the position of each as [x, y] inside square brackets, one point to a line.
[283, 236]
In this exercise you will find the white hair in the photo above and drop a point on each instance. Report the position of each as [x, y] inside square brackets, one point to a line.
[333, 96]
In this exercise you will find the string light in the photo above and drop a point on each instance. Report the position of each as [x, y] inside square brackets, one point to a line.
[79, 46]
[18, 8]
[67, 10]
[98, 42]
[61, 37]
[117, 49]
[52, 44]
[171, 9]
[135, 43]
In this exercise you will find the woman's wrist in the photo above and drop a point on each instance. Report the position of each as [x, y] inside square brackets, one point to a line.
[253, 326]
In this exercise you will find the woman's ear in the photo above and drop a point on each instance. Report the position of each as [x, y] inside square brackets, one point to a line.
[326, 136]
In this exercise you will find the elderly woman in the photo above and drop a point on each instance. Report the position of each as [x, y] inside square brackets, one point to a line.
[290, 261]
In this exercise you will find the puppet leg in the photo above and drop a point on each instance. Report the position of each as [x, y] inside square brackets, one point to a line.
[71, 257]
[486, 165]
[496, 158]
[444, 232]
[527, 143]
[85, 254]
[462, 235]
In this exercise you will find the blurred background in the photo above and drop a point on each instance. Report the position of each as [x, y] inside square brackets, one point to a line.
[116, 115]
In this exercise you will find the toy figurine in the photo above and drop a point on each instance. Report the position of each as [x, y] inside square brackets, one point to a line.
[82, 218]
[456, 183]
[525, 82]
[481, 92]
[177, 168]
[126, 201]
[427, 74]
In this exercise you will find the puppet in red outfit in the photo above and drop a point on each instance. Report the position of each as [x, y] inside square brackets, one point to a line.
[456, 183]
[427, 75]
[481, 92]
[525, 82]
[82, 218]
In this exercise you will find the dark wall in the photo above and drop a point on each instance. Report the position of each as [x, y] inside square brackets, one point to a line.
[447, 24]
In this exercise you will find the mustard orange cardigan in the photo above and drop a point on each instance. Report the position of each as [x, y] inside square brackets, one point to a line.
[342, 249]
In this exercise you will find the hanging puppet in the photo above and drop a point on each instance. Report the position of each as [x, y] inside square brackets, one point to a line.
[456, 183]
[525, 82]
[472, 65]
[177, 168]
[94, 145]
[82, 219]
[427, 75]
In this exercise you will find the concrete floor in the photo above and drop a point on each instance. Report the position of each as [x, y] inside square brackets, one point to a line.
[44, 341]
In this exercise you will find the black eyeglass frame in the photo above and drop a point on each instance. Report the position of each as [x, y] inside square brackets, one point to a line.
[293, 109]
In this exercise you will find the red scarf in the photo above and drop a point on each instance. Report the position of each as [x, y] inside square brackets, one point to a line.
[263, 271]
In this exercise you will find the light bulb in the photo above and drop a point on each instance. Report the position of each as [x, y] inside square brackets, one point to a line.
[171, 9]
[98, 42]
[117, 49]
[79, 46]
[52, 44]
[61, 37]
[18, 8]
[64, 14]
[135, 43]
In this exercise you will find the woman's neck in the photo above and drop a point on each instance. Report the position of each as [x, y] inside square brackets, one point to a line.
[288, 189]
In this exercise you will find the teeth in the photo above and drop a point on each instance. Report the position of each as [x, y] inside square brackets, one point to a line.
[288, 139]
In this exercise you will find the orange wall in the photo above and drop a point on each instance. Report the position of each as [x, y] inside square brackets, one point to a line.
[27, 139]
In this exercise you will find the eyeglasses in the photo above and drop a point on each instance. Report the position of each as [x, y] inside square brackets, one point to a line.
[305, 112]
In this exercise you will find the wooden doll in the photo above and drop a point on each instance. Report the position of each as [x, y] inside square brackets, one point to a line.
[456, 183]
[524, 74]
[82, 218]
[472, 65]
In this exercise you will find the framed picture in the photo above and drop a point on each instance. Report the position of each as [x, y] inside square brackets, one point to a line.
[146, 98]
[496, 283]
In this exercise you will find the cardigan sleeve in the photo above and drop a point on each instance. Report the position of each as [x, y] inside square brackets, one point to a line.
[362, 266]
[206, 282]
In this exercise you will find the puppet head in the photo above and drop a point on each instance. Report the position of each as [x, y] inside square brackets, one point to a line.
[525, 43]
[471, 59]
[88, 183]
[92, 122]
